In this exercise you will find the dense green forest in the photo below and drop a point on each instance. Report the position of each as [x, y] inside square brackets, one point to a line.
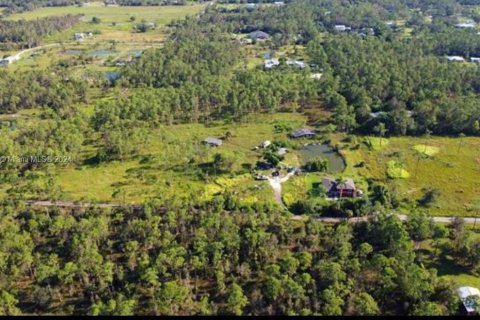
[28, 34]
[209, 260]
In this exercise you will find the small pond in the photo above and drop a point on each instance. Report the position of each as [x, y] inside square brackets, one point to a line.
[316, 150]
[73, 51]
[102, 53]
[112, 76]
[136, 53]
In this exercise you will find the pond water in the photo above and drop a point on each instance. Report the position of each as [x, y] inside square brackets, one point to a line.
[73, 51]
[136, 53]
[112, 76]
[316, 150]
[102, 53]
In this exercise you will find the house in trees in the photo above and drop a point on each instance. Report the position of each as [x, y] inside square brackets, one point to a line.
[464, 293]
[465, 25]
[475, 59]
[342, 28]
[270, 63]
[259, 35]
[297, 64]
[455, 59]
[303, 133]
[214, 142]
[340, 189]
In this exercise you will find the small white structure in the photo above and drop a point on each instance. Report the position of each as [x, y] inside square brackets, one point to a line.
[296, 63]
[265, 144]
[465, 25]
[464, 293]
[342, 28]
[475, 60]
[279, 3]
[82, 35]
[270, 63]
[316, 76]
[282, 151]
[455, 59]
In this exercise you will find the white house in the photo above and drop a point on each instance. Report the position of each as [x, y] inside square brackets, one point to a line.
[296, 63]
[455, 59]
[270, 63]
[475, 60]
[465, 25]
[464, 293]
[342, 28]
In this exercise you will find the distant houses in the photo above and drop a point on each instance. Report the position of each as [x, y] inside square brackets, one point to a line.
[271, 63]
[464, 293]
[475, 60]
[259, 35]
[340, 189]
[279, 3]
[214, 142]
[303, 133]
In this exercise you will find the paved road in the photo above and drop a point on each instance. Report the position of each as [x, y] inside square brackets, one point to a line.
[364, 219]
[78, 205]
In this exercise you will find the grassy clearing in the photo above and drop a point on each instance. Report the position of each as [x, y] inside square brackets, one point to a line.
[168, 165]
[453, 171]
[426, 150]
[395, 170]
[109, 14]
[376, 143]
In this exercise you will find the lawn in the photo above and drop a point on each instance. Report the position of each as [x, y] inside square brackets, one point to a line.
[168, 167]
[449, 165]
[115, 21]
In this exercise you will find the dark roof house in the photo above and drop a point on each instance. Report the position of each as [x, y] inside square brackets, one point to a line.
[303, 133]
[259, 35]
[342, 189]
[213, 141]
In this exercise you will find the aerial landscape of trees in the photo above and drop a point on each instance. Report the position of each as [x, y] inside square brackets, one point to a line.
[184, 255]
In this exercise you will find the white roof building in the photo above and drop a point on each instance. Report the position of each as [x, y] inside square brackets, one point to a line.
[465, 25]
[464, 293]
[270, 63]
[474, 59]
[265, 144]
[455, 58]
[342, 28]
[296, 63]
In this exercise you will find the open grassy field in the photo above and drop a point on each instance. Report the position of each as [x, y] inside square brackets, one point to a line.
[168, 166]
[416, 165]
[115, 22]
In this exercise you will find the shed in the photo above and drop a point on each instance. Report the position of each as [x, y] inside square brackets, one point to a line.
[303, 133]
[215, 142]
